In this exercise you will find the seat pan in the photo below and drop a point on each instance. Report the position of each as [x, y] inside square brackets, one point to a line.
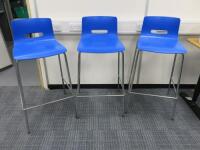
[100, 43]
[37, 48]
[160, 45]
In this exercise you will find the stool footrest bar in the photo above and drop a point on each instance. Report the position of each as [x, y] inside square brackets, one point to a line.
[153, 95]
[44, 104]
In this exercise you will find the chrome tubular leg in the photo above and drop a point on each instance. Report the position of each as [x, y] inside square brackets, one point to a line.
[172, 72]
[135, 53]
[123, 89]
[139, 68]
[177, 90]
[78, 82]
[118, 77]
[61, 73]
[22, 95]
[132, 77]
[69, 78]
[68, 72]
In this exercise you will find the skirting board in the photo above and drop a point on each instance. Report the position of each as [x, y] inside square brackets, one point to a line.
[113, 86]
[7, 67]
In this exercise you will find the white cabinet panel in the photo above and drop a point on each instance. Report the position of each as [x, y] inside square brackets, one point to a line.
[4, 56]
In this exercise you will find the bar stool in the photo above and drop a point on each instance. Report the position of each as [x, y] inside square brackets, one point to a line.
[27, 48]
[99, 35]
[159, 35]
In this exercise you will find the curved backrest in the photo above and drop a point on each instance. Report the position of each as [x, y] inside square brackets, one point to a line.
[161, 26]
[91, 23]
[21, 28]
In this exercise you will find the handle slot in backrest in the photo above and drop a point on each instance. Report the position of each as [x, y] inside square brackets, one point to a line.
[159, 32]
[34, 35]
[99, 31]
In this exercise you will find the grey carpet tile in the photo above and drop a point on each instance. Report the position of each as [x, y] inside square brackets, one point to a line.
[147, 126]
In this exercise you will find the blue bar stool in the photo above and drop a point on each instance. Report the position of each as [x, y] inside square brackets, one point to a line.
[159, 35]
[27, 48]
[99, 35]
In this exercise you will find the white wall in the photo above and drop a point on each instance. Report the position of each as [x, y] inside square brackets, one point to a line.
[102, 69]
[67, 14]
[128, 10]
[187, 10]
[74, 10]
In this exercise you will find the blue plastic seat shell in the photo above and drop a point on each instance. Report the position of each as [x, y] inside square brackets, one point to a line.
[100, 43]
[26, 47]
[92, 43]
[35, 49]
[160, 43]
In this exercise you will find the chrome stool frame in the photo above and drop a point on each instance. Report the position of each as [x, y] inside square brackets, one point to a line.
[171, 81]
[20, 86]
[78, 95]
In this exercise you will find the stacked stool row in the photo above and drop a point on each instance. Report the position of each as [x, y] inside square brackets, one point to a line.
[91, 41]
